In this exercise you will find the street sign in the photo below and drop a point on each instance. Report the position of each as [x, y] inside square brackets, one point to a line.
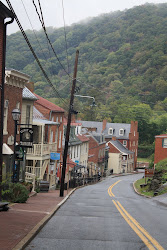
[26, 137]
[149, 172]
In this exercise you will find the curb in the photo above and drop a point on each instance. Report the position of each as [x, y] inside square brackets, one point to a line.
[140, 193]
[26, 240]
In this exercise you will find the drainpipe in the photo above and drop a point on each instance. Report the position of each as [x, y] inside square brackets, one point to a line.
[2, 99]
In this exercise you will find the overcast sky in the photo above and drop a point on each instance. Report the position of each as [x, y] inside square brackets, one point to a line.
[74, 11]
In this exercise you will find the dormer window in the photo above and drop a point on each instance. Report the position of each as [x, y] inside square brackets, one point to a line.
[121, 132]
[110, 131]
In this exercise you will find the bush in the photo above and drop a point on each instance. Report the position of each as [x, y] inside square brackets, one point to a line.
[144, 151]
[16, 192]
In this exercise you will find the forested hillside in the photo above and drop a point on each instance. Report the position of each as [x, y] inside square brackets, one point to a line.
[122, 63]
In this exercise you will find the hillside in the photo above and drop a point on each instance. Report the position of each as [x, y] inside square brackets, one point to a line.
[122, 63]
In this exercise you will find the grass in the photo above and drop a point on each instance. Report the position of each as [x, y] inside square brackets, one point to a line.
[143, 190]
[143, 160]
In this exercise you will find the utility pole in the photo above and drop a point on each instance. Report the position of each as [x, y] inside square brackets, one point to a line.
[68, 125]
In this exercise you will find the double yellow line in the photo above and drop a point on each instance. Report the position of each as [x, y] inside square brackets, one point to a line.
[148, 240]
[110, 189]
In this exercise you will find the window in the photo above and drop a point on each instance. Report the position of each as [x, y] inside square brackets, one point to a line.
[60, 139]
[56, 135]
[28, 110]
[57, 119]
[134, 133]
[74, 152]
[51, 136]
[121, 132]
[164, 143]
[6, 104]
[110, 131]
[60, 118]
[125, 143]
[77, 151]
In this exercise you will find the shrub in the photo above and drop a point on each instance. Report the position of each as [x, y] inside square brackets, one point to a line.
[16, 192]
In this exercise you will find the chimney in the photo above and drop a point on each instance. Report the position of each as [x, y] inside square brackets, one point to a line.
[114, 138]
[104, 124]
[30, 86]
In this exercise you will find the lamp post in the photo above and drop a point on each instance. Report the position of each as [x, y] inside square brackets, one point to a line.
[16, 116]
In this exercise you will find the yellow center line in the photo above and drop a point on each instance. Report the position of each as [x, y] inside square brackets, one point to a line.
[110, 189]
[139, 230]
[154, 242]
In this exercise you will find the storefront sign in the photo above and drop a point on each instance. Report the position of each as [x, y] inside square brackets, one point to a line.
[55, 156]
[26, 137]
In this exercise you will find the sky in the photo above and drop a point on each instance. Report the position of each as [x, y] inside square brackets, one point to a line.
[74, 11]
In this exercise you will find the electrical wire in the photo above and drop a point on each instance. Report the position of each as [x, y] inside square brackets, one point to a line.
[33, 30]
[33, 52]
[44, 28]
[65, 36]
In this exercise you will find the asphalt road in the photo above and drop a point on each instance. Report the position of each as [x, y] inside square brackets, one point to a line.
[106, 216]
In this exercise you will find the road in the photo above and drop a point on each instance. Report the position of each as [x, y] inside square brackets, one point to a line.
[107, 215]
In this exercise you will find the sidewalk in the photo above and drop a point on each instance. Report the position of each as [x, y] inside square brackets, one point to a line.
[23, 220]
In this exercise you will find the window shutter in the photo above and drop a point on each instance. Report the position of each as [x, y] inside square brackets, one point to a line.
[162, 142]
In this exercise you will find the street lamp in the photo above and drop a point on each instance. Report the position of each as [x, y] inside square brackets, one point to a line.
[16, 116]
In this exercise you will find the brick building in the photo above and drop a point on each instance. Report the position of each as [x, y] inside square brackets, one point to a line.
[96, 155]
[160, 148]
[127, 134]
[14, 84]
[53, 113]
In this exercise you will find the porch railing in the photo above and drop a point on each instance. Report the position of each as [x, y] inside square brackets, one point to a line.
[42, 149]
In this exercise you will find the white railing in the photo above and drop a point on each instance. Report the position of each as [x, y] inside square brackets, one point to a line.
[42, 149]
[30, 178]
[44, 166]
[33, 170]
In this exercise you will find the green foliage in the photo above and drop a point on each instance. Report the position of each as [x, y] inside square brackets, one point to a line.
[145, 151]
[122, 63]
[14, 192]
[18, 193]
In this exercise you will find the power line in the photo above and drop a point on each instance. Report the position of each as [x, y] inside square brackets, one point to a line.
[65, 36]
[33, 30]
[44, 28]
[33, 52]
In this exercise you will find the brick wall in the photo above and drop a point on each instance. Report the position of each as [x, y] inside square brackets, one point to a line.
[13, 95]
[160, 152]
[113, 149]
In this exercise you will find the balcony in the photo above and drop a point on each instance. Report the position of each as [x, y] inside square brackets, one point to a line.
[42, 149]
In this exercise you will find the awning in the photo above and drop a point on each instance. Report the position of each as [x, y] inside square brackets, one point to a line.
[6, 150]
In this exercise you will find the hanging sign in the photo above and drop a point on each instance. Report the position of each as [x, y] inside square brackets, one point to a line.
[26, 137]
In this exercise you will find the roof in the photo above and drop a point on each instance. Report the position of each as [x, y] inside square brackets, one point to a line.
[83, 138]
[5, 12]
[37, 114]
[49, 105]
[161, 136]
[27, 94]
[120, 147]
[115, 126]
[44, 122]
